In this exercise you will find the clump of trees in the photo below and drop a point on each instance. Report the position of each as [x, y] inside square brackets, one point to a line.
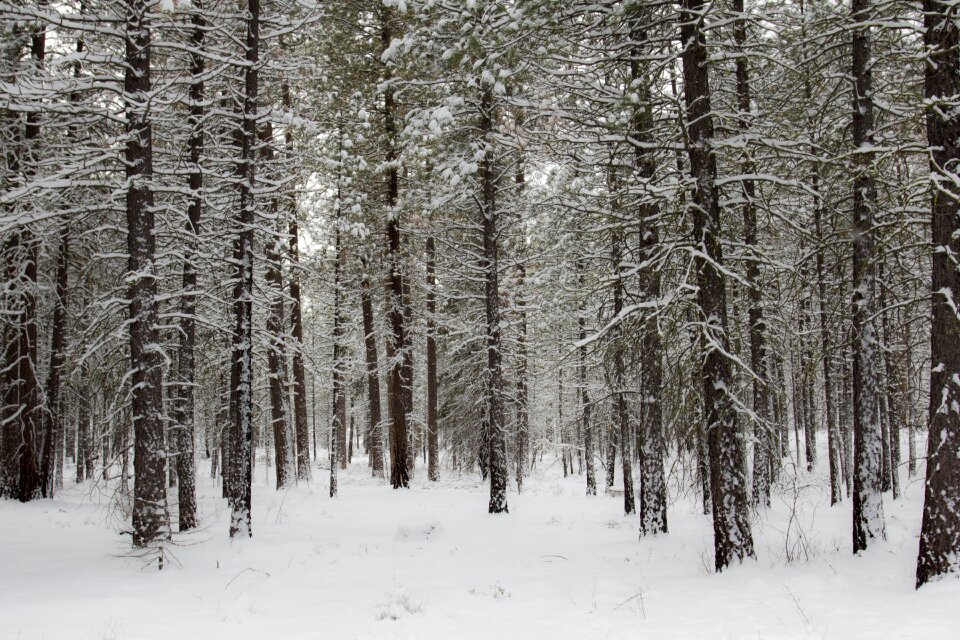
[615, 233]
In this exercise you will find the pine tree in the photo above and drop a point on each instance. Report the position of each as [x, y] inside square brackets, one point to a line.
[940, 529]
[149, 494]
[242, 369]
[868, 522]
[733, 540]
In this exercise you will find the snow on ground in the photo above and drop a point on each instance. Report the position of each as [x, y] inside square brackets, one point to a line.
[429, 562]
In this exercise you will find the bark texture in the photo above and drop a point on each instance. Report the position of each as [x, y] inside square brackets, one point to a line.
[733, 539]
[940, 529]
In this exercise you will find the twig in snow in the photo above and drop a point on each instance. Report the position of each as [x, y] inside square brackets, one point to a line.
[241, 573]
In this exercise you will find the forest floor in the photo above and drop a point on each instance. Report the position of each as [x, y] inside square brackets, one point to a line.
[429, 562]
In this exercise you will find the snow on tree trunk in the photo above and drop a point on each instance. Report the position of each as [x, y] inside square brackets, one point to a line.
[433, 436]
[653, 486]
[940, 529]
[53, 417]
[586, 407]
[301, 431]
[733, 540]
[398, 349]
[523, 409]
[276, 355]
[833, 433]
[146, 360]
[496, 427]
[621, 414]
[374, 436]
[21, 410]
[242, 370]
[184, 400]
[338, 424]
[868, 521]
[762, 439]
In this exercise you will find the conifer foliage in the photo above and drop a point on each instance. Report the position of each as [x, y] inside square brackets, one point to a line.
[682, 246]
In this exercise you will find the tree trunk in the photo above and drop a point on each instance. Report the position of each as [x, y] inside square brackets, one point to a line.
[611, 458]
[338, 395]
[149, 494]
[868, 520]
[833, 433]
[523, 410]
[588, 427]
[891, 400]
[277, 365]
[907, 388]
[733, 539]
[283, 431]
[559, 431]
[433, 436]
[846, 421]
[242, 370]
[296, 322]
[398, 349]
[621, 415]
[374, 436]
[762, 450]
[940, 529]
[184, 390]
[650, 445]
[22, 417]
[53, 418]
[491, 265]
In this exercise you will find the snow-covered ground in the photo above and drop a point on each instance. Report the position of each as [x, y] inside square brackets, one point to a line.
[429, 562]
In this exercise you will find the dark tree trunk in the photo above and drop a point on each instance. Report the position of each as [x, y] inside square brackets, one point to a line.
[523, 412]
[650, 444]
[891, 400]
[909, 414]
[374, 437]
[940, 530]
[22, 416]
[302, 435]
[283, 434]
[762, 449]
[53, 418]
[807, 375]
[611, 457]
[350, 437]
[338, 395]
[621, 415]
[491, 265]
[588, 427]
[733, 540]
[186, 367]
[846, 421]
[277, 366]
[242, 371]
[398, 349]
[84, 438]
[338, 425]
[833, 432]
[433, 436]
[559, 430]
[868, 520]
[149, 493]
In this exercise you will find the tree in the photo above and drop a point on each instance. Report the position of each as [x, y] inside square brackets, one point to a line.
[733, 540]
[940, 529]
[868, 521]
[149, 494]
[241, 400]
[433, 436]
[184, 395]
[398, 349]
